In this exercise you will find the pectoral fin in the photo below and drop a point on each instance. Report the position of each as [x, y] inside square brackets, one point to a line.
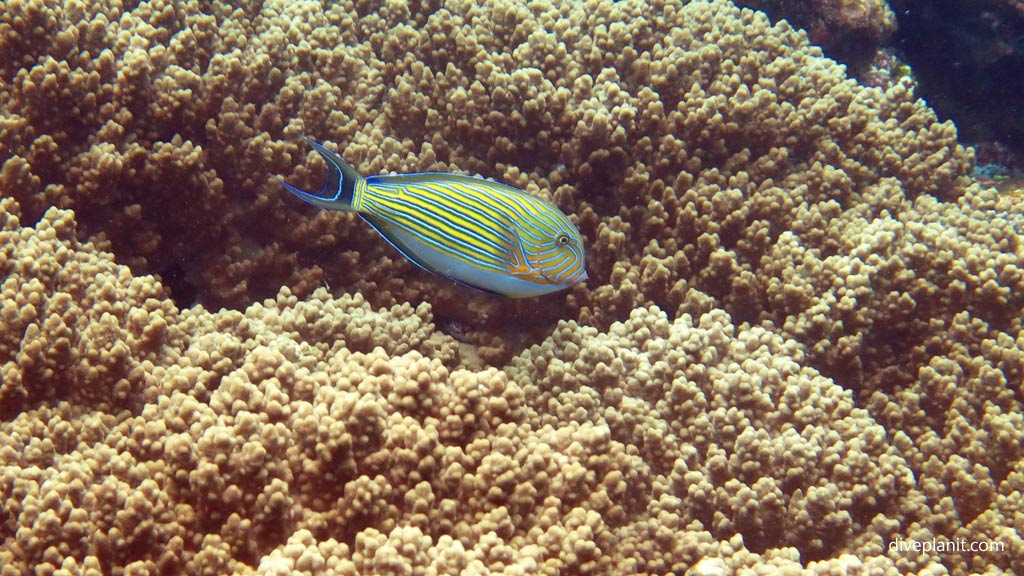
[517, 262]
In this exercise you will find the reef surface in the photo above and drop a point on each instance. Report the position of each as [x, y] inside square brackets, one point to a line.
[801, 339]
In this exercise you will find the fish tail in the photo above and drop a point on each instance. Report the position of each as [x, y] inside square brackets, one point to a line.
[339, 190]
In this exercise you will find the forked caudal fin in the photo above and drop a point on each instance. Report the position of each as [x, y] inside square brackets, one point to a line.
[339, 189]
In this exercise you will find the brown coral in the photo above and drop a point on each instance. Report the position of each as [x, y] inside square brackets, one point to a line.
[690, 145]
[314, 436]
[849, 30]
[800, 343]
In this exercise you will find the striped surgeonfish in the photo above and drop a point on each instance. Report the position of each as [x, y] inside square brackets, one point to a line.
[479, 233]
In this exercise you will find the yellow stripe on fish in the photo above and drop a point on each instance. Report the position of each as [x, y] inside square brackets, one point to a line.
[477, 232]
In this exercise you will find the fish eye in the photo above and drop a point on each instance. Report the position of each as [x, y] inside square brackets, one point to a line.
[562, 239]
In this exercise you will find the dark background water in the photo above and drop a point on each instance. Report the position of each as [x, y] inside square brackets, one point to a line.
[967, 57]
[969, 60]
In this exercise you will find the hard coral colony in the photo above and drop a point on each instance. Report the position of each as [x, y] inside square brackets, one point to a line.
[800, 341]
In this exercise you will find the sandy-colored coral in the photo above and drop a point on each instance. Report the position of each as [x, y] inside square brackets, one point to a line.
[680, 136]
[849, 30]
[801, 342]
[319, 436]
[879, 296]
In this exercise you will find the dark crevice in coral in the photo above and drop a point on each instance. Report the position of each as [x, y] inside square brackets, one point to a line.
[184, 293]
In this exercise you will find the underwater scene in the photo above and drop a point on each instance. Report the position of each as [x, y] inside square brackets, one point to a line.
[554, 287]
